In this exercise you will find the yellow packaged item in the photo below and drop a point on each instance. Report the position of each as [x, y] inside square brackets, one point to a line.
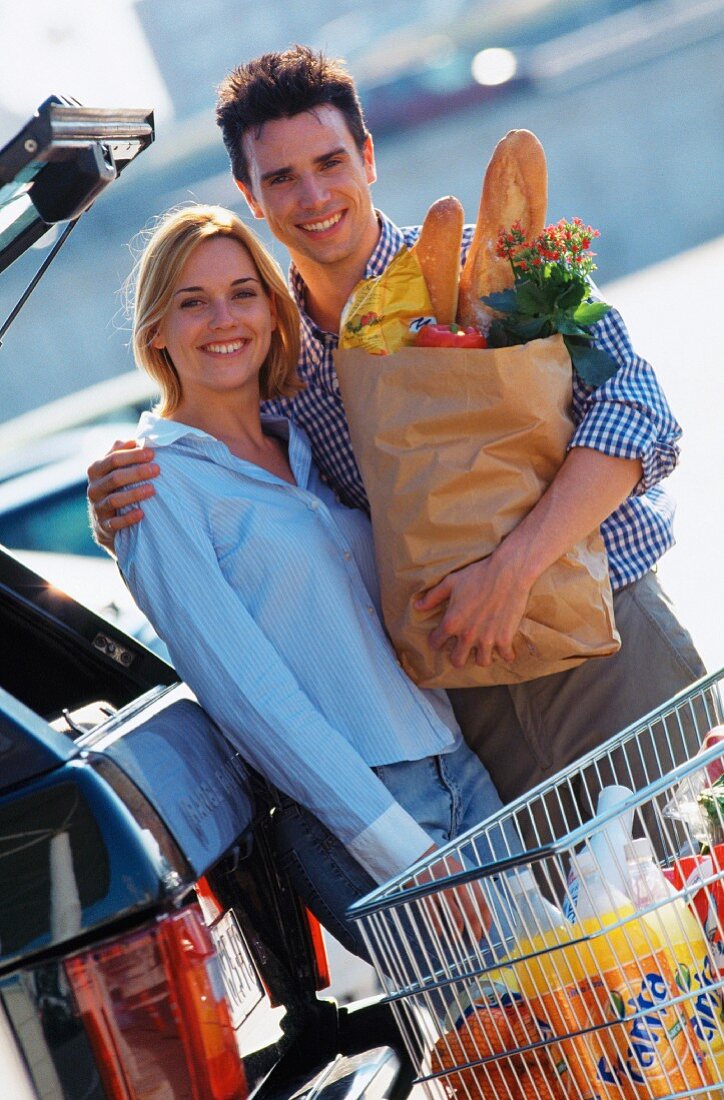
[383, 313]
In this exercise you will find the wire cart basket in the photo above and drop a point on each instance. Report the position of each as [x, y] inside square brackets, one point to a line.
[599, 972]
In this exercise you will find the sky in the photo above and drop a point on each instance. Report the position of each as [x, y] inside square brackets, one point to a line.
[92, 50]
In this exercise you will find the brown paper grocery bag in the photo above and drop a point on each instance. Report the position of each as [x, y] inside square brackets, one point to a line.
[455, 447]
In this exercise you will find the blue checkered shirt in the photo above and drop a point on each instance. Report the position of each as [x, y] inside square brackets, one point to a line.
[628, 416]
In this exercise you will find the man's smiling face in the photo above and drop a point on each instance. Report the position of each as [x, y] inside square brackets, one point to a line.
[312, 185]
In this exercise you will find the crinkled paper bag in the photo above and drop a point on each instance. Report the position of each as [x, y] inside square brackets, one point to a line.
[455, 448]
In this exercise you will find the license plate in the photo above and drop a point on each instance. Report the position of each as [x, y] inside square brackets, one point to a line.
[241, 983]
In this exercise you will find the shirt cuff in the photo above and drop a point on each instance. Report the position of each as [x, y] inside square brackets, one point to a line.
[626, 432]
[390, 844]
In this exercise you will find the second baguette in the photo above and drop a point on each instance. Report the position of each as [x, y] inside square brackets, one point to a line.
[438, 253]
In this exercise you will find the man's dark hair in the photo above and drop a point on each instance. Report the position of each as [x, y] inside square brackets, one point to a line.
[280, 85]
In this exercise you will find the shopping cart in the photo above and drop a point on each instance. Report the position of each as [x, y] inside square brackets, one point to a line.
[611, 1000]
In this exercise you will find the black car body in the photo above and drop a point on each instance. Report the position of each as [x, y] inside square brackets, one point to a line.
[149, 946]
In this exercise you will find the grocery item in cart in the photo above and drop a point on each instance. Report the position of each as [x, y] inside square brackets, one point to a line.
[547, 978]
[650, 1047]
[698, 800]
[682, 937]
[702, 877]
[607, 844]
[487, 1031]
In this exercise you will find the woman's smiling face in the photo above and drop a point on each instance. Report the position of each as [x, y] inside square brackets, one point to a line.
[218, 327]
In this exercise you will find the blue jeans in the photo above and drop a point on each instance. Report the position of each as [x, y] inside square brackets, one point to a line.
[445, 794]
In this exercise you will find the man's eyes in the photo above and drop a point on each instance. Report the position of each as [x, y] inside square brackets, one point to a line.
[286, 177]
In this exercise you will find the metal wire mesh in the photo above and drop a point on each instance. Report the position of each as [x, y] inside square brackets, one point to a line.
[574, 990]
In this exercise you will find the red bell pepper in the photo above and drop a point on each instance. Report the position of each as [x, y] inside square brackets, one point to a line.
[450, 336]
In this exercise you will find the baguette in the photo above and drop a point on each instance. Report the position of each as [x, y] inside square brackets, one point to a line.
[515, 189]
[438, 253]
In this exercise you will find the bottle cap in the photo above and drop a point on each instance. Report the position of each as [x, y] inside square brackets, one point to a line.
[585, 863]
[638, 849]
[610, 797]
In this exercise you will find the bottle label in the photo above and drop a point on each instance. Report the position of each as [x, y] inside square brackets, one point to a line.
[649, 1048]
[562, 1012]
[704, 1009]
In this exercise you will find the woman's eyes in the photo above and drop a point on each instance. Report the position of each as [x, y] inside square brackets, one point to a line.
[191, 303]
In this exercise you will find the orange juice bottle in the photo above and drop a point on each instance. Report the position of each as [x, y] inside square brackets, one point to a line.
[627, 983]
[547, 982]
[684, 942]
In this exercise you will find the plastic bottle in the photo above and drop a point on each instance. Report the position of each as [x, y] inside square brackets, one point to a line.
[548, 984]
[682, 938]
[607, 844]
[626, 980]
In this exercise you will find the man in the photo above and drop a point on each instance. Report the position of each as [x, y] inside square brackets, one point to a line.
[304, 161]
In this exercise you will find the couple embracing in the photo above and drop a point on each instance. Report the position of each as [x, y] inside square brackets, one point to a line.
[252, 555]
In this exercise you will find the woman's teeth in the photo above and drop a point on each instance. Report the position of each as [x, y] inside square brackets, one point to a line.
[225, 349]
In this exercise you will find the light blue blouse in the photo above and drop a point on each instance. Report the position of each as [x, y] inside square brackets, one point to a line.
[266, 595]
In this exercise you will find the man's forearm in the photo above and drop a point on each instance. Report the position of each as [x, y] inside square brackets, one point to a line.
[588, 487]
[487, 599]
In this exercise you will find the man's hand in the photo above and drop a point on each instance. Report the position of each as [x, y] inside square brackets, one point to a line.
[463, 907]
[124, 464]
[486, 601]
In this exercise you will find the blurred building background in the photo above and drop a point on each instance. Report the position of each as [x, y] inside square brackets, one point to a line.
[624, 95]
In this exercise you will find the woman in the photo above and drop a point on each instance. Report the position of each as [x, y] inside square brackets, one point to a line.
[263, 586]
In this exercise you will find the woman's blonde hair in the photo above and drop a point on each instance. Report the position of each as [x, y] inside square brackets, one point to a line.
[150, 291]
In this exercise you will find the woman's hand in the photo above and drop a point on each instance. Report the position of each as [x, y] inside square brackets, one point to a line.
[125, 464]
[465, 907]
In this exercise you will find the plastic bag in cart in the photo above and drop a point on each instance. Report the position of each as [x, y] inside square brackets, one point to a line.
[698, 800]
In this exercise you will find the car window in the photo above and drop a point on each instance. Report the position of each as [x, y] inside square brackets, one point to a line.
[58, 522]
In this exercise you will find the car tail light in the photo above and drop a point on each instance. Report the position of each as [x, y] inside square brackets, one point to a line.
[153, 1006]
[321, 961]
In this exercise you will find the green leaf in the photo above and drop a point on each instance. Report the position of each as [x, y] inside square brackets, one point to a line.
[590, 312]
[531, 329]
[573, 295]
[567, 327]
[593, 365]
[499, 337]
[504, 301]
[534, 299]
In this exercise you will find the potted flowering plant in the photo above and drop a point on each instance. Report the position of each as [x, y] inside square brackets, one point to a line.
[552, 293]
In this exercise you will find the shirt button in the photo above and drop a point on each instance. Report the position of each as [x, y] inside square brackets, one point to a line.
[371, 610]
[347, 555]
[314, 505]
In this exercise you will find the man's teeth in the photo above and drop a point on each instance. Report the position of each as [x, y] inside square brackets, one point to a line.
[317, 227]
[226, 349]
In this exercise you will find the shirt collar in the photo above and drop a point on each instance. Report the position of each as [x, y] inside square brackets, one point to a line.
[389, 243]
[160, 432]
[155, 431]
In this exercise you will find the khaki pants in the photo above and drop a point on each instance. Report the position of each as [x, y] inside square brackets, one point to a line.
[526, 733]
